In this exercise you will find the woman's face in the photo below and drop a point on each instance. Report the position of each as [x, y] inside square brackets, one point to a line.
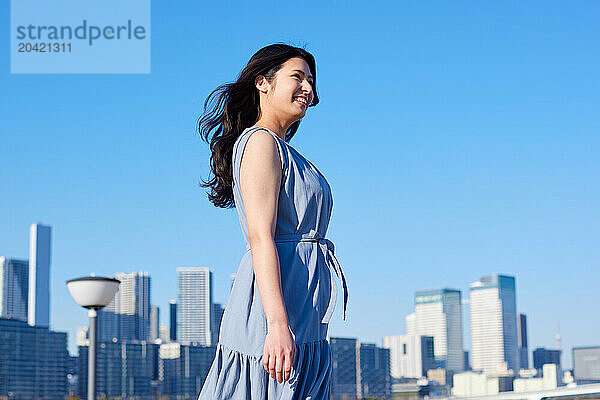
[291, 90]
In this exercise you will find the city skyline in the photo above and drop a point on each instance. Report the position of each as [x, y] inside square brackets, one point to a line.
[461, 144]
[123, 305]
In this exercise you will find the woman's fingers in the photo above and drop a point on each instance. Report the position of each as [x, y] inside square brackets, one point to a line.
[279, 367]
[287, 367]
[266, 360]
[272, 361]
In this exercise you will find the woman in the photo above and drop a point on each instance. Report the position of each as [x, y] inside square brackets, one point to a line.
[272, 343]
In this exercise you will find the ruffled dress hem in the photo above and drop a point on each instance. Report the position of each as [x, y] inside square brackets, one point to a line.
[236, 376]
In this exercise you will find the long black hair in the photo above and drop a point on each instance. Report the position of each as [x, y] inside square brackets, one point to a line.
[233, 107]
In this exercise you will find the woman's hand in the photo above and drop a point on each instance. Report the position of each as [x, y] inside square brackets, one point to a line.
[279, 352]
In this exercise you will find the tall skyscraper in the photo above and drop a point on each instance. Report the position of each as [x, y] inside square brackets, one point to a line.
[39, 275]
[14, 288]
[194, 305]
[438, 313]
[411, 356]
[173, 320]
[154, 322]
[494, 324]
[127, 317]
[522, 341]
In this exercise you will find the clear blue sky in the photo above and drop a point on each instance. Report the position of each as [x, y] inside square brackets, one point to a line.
[460, 139]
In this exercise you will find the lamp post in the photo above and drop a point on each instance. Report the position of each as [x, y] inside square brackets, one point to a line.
[93, 293]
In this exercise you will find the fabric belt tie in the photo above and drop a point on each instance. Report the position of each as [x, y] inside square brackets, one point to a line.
[328, 250]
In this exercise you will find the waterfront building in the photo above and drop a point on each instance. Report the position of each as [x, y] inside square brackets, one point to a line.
[345, 369]
[183, 369]
[124, 369]
[173, 320]
[471, 384]
[548, 381]
[543, 356]
[14, 288]
[127, 316]
[217, 316]
[438, 313]
[411, 356]
[154, 322]
[374, 379]
[33, 361]
[494, 346]
[586, 364]
[39, 275]
[194, 305]
[522, 341]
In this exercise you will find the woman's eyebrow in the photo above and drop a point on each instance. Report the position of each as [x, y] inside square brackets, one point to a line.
[302, 72]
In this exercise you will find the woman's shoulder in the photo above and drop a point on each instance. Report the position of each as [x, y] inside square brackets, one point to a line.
[262, 140]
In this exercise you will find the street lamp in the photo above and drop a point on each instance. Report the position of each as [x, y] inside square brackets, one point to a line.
[93, 293]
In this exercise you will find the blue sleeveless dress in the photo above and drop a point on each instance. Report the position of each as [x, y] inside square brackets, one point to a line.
[307, 264]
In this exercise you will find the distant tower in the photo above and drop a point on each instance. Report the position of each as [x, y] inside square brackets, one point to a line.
[14, 282]
[154, 322]
[522, 341]
[172, 320]
[194, 305]
[128, 315]
[494, 324]
[438, 313]
[39, 275]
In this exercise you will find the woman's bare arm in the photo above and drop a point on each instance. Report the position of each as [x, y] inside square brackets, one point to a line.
[260, 179]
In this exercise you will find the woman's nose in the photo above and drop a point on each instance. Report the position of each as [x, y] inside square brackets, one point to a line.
[307, 89]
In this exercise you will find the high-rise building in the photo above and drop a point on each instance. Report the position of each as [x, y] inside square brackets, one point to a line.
[494, 324]
[184, 369]
[14, 288]
[39, 275]
[344, 374]
[438, 313]
[33, 362]
[522, 341]
[127, 316]
[194, 305]
[374, 380]
[586, 364]
[154, 322]
[217, 316]
[410, 355]
[543, 356]
[124, 369]
[173, 320]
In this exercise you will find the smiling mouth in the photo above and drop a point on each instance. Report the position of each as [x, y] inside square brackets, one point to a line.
[301, 100]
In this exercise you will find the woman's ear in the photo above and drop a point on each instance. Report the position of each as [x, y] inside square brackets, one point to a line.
[262, 84]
